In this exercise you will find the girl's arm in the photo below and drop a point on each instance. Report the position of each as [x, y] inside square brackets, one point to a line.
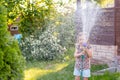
[89, 52]
[76, 54]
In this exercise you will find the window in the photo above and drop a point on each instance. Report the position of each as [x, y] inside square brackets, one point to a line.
[14, 28]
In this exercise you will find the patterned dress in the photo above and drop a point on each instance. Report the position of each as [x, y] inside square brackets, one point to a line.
[82, 62]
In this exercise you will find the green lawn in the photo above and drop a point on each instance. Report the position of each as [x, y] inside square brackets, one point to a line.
[56, 70]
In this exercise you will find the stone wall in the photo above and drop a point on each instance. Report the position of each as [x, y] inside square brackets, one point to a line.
[103, 53]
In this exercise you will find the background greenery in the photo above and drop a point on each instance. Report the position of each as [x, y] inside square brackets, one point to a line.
[12, 63]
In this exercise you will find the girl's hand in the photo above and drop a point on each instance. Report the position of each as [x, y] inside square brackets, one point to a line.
[84, 49]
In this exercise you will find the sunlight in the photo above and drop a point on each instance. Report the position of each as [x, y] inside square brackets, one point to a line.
[58, 67]
[34, 73]
[108, 3]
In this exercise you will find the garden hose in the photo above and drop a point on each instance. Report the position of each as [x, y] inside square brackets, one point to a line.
[82, 67]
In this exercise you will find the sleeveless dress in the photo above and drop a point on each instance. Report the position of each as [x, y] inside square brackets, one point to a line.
[82, 62]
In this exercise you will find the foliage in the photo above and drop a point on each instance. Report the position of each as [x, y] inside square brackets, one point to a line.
[41, 46]
[98, 67]
[29, 14]
[48, 43]
[12, 62]
[105, 3]
[38, 45]
[12, 10]
[106, 76]
[35, 15]
[66, 30]
[64, 24]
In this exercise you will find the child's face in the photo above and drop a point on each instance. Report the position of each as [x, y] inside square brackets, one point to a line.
[81, 39]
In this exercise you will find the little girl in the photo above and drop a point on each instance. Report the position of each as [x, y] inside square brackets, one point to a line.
[82, 55]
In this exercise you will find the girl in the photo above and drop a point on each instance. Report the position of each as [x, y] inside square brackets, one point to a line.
[82, 55]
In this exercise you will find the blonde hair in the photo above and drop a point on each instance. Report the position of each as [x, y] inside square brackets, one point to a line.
[81, 34]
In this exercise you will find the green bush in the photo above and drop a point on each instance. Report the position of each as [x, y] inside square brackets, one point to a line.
[11, 61]
[66, 30]
[35, 15]
[41, 46]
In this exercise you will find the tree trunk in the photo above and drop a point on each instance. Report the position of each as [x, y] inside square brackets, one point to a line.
[78, 4]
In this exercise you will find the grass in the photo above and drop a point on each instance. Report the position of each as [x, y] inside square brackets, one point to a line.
[98, 67]
[62, 70]
[107, 76]
[50, 71]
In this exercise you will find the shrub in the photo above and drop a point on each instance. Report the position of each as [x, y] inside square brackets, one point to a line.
[11, 61]
[66, 30]
[42, 46]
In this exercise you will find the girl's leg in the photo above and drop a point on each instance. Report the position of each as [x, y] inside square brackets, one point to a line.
[77, 77]
[85, 78]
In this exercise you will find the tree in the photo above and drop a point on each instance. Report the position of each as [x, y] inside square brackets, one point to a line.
[12, 9]
[105, 3]
[11, 61]
[32, 14]
[35, 15]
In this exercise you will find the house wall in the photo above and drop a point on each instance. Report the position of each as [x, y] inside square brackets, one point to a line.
[117, 25]
[106, 44]
[102, 36]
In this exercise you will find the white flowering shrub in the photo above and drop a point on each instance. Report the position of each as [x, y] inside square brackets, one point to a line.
[42, 46]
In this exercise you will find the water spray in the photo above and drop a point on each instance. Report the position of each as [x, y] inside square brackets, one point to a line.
[88, 20]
